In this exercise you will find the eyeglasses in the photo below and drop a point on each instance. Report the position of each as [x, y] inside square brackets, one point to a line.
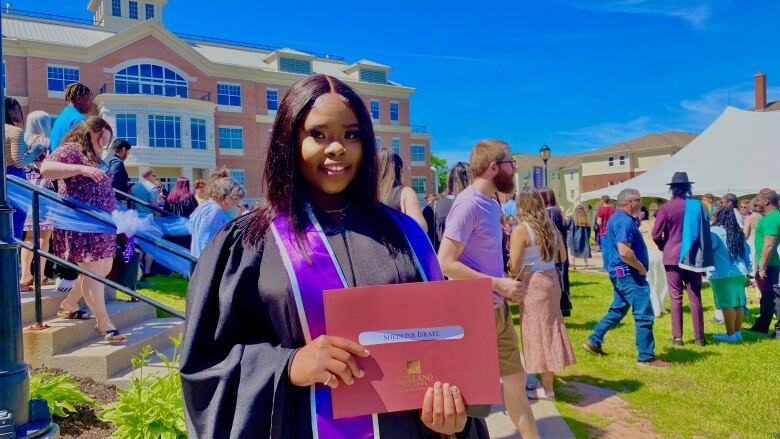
[513, 162]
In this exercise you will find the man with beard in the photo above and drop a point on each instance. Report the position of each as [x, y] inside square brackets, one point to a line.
[626, 261]
[472, 248]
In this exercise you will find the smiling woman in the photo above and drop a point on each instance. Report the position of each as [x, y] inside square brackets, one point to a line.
[256, 361]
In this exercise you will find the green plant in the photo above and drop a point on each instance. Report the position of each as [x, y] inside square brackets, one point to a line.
[152, 407]
[61, 393]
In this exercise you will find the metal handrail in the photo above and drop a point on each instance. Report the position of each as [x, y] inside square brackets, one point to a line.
[54, 17]
[58, 199]
[38, 253]
[127, 197]
[199, 95]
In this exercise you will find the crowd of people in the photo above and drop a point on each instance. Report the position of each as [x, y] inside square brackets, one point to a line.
[76, 155]
[255, 356]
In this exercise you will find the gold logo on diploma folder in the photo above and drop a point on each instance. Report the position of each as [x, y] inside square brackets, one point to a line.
[414, 377]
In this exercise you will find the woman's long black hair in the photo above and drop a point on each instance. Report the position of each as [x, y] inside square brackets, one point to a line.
[735, 238]
[285, 187]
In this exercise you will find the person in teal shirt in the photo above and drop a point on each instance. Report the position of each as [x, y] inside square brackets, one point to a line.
[79, 103]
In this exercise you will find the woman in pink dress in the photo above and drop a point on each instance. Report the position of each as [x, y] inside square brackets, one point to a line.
[537, 242]
[76, 163]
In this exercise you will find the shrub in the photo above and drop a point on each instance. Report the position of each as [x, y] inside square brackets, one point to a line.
[152, 407]
[61, 393]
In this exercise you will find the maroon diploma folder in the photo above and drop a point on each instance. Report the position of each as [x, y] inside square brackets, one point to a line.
[417, 334]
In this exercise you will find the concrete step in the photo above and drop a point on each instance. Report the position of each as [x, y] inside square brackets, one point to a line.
[101, 360]
[50, 302]
[154, 366]
[65, 334]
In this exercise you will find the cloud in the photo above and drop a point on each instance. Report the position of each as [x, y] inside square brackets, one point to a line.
[698, 113]
[695, 13]
[608, 133]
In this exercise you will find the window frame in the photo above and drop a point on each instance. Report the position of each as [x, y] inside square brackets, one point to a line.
[378, 110]
[116, 8]
[397, 113]
[393, 141]
[230, 149]
[412, 154]
[622, 160]
[271, 111]
[149, 7]
[235, 172]
[123, 124]
[378, 142]
[417, 179]
[195, 124]
[230, 106]
[152, 121]
[63, 67]
[132, 6]
[611, 161]
[286, 59]
[170, 83]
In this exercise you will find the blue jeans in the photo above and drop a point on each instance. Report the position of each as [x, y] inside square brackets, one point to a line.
[19, 215]
[634, 292]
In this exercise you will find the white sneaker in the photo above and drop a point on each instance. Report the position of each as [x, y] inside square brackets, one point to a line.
[63, 285]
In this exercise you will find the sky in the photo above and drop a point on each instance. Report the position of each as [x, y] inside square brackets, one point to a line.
[576, 75]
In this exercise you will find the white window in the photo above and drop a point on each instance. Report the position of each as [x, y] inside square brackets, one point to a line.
[395, 143]
[59, 77]
[418, 154]
[375, 110]
[149, 11]
[150, 79]
[126, 128]
[238, 175]
[229, 95]
[622, 160]
[378, 141]
[571, 191]
[116, 8]
[133, 10]
[393, 113]
[293, 65]
[198, 133]
[231, 137]
[165, 131]
[272, 101]
[418, 184]
[571, 177]
[611, 161]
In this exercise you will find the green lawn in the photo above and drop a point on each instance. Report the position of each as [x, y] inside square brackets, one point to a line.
[717, 391]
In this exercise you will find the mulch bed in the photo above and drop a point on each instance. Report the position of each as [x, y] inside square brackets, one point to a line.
[85, 424]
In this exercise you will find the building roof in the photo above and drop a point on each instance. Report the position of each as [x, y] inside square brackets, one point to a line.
[75, 32]
[648, 142]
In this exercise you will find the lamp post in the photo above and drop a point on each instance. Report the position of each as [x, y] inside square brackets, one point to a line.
[19, 417]
[544, 153]
[435, 184]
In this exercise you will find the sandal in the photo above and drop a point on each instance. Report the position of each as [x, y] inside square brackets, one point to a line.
[46, 281]
[540, 395]
[112, 336]
[25, 287]
[75, 315]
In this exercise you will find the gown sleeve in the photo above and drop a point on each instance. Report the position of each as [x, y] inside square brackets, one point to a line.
[233, 367]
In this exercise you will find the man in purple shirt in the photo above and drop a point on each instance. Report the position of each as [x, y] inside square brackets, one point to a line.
[667, 235]
[472, 248]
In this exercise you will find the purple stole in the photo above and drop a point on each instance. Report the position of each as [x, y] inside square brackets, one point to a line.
[309, 279]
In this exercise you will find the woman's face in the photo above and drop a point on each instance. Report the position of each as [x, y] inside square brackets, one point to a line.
[100, 140]
[16, 115]
[331, 149]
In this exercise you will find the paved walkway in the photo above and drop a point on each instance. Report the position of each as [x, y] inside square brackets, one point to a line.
[549, 421]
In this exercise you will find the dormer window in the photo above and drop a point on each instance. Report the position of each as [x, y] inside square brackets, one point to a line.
[294, 65]
[375, 76]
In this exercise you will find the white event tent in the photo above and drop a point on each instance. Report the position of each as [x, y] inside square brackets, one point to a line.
[738, 153]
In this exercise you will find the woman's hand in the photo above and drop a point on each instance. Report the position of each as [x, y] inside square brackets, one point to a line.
[94, 174]
[327, 360]
[443, 409]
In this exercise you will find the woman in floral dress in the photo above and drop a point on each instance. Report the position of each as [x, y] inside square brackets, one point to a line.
[77, 165]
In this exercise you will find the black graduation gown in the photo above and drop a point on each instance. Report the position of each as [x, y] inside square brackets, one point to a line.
[242, 328]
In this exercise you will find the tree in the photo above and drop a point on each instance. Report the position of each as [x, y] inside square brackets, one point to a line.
[441, 171]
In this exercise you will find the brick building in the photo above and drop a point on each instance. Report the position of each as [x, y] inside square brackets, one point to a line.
[189, 103]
